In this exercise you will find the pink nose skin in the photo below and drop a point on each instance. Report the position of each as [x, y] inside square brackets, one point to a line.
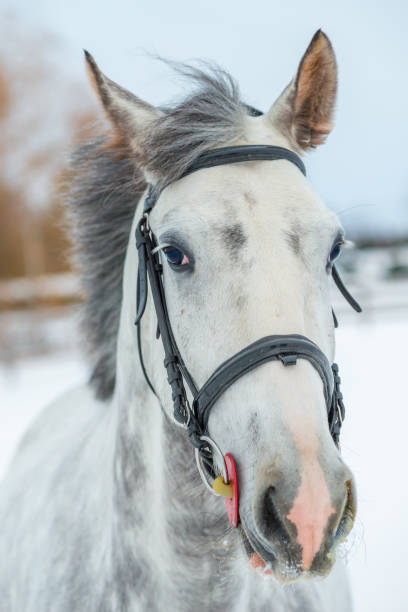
[311, 511]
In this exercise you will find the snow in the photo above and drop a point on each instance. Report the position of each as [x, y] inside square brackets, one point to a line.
[372, 358]
[371, 352]
[28, 386]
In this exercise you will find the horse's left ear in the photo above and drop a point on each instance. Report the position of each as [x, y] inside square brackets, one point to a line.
[129, 115]
[304, 111]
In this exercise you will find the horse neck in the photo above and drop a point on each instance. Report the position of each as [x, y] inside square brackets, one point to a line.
[170, 535]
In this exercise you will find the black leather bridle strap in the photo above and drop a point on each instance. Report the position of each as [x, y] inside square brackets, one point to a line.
[245, 153]
[286, 348]
[173, 361]
[139, 341]
[340, 286]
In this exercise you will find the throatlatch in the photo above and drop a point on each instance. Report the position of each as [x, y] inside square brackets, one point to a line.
[284, 348]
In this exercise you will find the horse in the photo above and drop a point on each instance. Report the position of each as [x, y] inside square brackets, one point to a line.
[103, 508]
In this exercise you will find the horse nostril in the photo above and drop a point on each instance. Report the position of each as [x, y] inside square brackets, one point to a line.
[272, 523]
[349, 513]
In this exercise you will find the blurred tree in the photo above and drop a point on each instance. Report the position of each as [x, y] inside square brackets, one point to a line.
[11, 246]
[43, 112]
[4, 94]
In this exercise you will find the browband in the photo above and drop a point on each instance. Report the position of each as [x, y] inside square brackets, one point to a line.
[244, 153]
[230, 155]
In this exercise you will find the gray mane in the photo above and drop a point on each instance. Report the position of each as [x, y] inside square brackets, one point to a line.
[107, 186]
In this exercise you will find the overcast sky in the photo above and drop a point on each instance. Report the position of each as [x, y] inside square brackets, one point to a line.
[362, 170]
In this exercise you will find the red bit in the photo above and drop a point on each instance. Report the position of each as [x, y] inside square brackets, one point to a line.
[233, 503]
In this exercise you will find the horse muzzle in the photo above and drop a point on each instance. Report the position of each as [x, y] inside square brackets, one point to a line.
[293, 537]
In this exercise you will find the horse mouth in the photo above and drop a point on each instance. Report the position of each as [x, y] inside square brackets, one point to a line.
[259, 558]
[264, 561]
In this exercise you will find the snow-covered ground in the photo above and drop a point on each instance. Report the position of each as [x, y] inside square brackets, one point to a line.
[373, 364]
[26, 387]
[371, 352]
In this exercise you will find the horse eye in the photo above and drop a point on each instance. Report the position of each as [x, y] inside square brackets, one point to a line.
[335, 252]
[175, 257]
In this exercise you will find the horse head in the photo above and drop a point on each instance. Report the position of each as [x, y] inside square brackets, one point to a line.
[247, 250]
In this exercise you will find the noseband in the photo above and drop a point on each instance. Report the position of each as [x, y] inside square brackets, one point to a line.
[284, 348]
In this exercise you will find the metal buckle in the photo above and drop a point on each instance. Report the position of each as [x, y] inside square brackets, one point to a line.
[201, 469]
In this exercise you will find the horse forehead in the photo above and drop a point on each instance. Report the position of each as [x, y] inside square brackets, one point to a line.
[247, 186]
[232, 199]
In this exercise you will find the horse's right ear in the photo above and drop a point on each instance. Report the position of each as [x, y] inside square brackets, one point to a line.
[129, 114]
[304, 111]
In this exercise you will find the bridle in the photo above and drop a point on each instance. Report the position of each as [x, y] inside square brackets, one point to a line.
[284, 348]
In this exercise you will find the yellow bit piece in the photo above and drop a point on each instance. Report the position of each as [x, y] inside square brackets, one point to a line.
[222, 488]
